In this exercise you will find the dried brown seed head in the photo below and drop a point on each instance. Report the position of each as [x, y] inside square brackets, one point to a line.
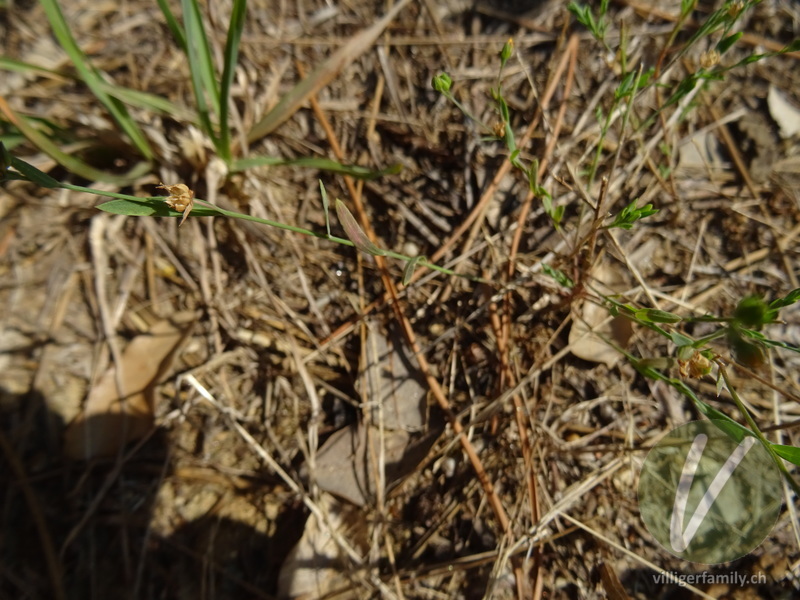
[181, 199]
[709, 59]
[499, 129]
[696, 367]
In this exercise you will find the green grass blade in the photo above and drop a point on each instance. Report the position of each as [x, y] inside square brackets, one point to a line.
[174, 26]
[9, 64]
[313, 162]
[126, 95]
[68, 161]
[229, 68]
[201, 66]
[31, 173]
[150, 102]
[92, 78]
[152, 207]
[325, 206]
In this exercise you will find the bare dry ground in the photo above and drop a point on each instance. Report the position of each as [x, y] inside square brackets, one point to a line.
[267, 351]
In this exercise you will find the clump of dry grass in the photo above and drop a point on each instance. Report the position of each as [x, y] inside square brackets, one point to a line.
[523, 479]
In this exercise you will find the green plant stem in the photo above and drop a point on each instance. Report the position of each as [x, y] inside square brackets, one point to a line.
[756, 431]
[466, 113]
[700, 342]
[30, 173]
[332, 238]
[599, 152]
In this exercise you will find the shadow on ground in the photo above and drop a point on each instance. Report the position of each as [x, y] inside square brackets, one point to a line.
[83, 530]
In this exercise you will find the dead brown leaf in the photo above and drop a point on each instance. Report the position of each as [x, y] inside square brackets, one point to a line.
[591, 325]
[113, 417]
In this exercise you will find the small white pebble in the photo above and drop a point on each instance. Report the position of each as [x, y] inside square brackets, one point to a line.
[410, 249]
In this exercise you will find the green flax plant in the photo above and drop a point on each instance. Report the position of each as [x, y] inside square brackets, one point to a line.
[741, 331]
[13, 168]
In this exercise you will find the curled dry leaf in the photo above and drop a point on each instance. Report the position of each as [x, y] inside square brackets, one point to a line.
[390, 380]
[590, 324]
[699, 153]
[697, 367]
[349, 462]
[313, 568]
[785, 113]
[354, 232]
[113, 417]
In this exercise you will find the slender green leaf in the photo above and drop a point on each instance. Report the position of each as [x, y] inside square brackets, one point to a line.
[126, 95]
[142, 207]
[33, 174]
[411, 266]
[787, 300]
[680, 340]
[150, 102]
[790, 453]
[791, 47]
[313, 162]
[10, 64]
[178, 34]
[559, 275]
[201, 66]
[735, 431]
[235, 28]
[134, 208]
[653, 315]
[93, 79]
[325, 206]
[68, 161]
[764, 340]
[706, 409]
[725, 43]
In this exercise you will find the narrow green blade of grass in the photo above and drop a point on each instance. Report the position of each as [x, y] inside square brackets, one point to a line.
[155, 207]
[174, 26]
[31, 173]
[69, 162]
[325, 206]
[229, 68]
[411, 266]
[324, 164]
[201, 66]
[9, 64]
[92, 78]
[150, 102]
[322, 75]
[126, 95]
[11, 141]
